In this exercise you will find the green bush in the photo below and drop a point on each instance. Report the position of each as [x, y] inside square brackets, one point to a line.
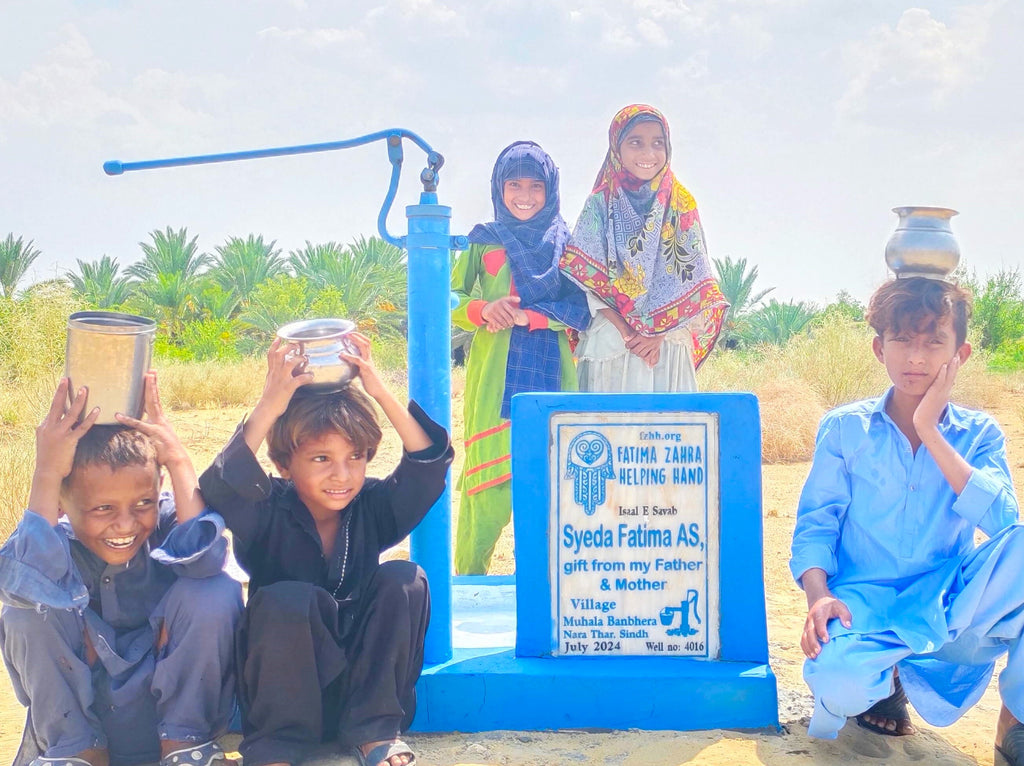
[1009, 357]
[999, 310]
[212, 339]
[34, 335]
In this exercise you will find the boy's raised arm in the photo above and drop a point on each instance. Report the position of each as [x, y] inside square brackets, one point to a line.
[280, 384]
[56, 439]
[414, 438]
[170, 452]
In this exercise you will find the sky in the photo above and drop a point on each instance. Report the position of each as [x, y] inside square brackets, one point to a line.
[797, 124]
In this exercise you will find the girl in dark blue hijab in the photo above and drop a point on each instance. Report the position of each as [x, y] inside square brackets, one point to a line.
[509, 284]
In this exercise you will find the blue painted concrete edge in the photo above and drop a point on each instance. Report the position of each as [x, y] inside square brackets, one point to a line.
[484, 690]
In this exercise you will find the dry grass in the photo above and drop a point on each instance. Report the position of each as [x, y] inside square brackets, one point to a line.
[208, 385]
[789, 421]
[34, 332]
[837, 363]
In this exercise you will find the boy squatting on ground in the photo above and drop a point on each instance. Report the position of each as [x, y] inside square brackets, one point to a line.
[118, 622]
[331, 643]
[899, 597]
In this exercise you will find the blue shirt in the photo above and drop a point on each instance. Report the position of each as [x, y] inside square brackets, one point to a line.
[885, 525]
[45, 567]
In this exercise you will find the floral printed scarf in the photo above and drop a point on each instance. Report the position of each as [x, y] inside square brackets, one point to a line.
[639, 246]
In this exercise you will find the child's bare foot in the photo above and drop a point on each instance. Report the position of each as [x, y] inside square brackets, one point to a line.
[386, 753]
[891, 715]
[897, 727]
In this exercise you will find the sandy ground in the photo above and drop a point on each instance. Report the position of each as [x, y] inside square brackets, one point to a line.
[969, 741]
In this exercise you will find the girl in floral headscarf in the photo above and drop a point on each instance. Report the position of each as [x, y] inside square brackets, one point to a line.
[638, 250]
[519, 306]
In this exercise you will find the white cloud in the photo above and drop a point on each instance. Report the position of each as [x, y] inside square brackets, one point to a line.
[63, 87]
[652, 33]
[71, 85]
[917, 65]
[317, 39]
[434, 18]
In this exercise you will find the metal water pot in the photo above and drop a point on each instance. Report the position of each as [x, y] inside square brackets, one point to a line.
[923, 244]
[110, 353]
[321, 341]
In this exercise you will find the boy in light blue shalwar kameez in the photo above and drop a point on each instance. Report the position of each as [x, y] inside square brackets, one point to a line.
[898, 595]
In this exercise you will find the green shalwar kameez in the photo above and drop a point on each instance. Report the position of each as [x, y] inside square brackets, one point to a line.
[486, 492]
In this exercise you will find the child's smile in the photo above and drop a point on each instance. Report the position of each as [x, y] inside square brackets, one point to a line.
[524, 197]
[328, 472]
[644, 152]
[113, 511]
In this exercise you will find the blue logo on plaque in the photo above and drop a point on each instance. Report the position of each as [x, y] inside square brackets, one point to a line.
[685, 610]
[589, 463]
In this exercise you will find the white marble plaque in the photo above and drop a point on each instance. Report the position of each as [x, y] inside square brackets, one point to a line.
[634, 536]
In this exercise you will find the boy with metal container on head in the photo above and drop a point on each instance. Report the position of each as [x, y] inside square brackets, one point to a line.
[901, 603]
[331, 643]
[118, 621]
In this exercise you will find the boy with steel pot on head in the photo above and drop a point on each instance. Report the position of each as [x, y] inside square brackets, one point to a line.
[118, 621]
[331, 643]
[901, 603]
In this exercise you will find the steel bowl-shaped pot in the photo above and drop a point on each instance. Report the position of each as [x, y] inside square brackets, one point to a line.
[109, 353]
[321, 341]
[923, 244]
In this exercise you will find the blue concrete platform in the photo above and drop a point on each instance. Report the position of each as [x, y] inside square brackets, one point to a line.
[486, 687]
[502, 675]
[532, 693]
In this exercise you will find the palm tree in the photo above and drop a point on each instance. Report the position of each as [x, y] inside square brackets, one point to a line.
[365, 281]
[737, 285]
[213, 301]
[98, 284]
[277, 302]
[168, 274]
[16, 256]
[171, 251]
[241, 264]
[777, 322]
[313, 261]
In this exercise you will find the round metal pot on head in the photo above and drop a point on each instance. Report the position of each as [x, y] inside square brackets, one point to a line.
[923, 244]
[109, 353]
[321, 341]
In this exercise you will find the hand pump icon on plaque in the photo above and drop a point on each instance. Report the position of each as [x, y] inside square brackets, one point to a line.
[684, 610]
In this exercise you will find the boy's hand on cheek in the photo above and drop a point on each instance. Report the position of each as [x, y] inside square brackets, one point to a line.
[932, 405]
[821, 612]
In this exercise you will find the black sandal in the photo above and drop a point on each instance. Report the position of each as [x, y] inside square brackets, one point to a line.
[893, 708]
[1012, 748]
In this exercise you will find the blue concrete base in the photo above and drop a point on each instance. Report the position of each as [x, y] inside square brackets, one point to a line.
[488, 689]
